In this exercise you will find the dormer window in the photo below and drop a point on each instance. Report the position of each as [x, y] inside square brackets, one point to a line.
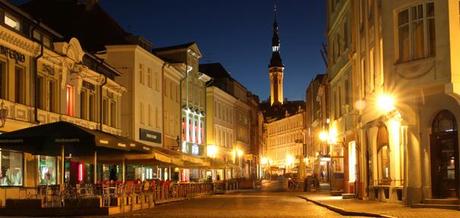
[12, 22]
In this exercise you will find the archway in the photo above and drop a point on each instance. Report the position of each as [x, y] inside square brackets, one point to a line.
[444, 156]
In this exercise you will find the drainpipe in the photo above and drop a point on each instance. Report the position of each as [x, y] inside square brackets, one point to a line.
[36, 74]
[165, 64]
[101, 122]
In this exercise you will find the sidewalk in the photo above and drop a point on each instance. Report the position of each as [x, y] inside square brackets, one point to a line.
[354, 207]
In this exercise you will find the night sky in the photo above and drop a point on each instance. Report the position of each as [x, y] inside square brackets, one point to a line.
[236, 33]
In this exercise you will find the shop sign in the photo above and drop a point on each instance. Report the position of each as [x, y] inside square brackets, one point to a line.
[12, 54]
[148, 135]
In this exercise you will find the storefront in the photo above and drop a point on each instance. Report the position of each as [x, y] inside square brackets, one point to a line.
[59, 153]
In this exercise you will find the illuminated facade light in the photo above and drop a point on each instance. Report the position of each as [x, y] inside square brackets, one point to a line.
[385, 103]
[212, 151]
[323, 136]
[290, 160]
[264, 160]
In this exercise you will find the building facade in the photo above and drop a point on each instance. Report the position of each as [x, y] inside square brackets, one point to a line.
[45, 79]
[403, 95]
[316, 121]
[229, 121]
[285, 143]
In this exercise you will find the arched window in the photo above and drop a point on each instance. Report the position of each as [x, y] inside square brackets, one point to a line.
[444, 123]
[383, 155]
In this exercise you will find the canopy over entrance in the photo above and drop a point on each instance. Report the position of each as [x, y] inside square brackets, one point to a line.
[48, 139]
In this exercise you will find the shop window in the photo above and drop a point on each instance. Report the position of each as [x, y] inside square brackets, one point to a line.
[20, 85]
[3, 80]
[416, 32]
[47, 169]
[12, 22]
[11, 167]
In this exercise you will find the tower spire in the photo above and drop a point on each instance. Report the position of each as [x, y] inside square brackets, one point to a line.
[276, 66]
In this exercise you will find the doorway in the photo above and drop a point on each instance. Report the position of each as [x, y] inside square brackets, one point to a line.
[444, 156]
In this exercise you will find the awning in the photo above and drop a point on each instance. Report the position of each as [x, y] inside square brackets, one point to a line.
[48, 139]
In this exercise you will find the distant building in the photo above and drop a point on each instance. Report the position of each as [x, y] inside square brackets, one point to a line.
[231, 109]
[284, 122]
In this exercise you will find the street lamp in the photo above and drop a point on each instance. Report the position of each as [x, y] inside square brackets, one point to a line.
[212, 151]
[323, 135]
[385, 103]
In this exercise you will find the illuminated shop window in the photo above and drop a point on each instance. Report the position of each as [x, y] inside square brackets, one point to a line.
[11, 167]
[47, 169]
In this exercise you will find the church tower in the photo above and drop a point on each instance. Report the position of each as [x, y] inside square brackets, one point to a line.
[276, 67]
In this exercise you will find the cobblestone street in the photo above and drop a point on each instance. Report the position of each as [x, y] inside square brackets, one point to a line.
[240, 205]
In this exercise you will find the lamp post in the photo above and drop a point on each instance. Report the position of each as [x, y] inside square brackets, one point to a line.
[3, 114]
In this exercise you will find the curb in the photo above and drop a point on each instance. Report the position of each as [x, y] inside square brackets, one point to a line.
[344, 212]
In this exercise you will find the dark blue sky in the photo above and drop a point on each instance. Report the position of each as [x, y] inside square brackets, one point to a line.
[236, 33]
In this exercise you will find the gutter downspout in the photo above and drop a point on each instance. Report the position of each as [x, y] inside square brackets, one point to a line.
[36, 75]
[101, 122]
[165, 64]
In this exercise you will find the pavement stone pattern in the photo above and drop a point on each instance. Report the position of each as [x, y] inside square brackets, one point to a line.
[240, 205]
[388, 209]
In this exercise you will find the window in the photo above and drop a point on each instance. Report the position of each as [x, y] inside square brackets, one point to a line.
[105, 111]
[3, 80]
[12, 22]
[416, 32]
[91, 103]
[157, 118]
[83, 104]
[70, 102]
[166, 88]
[141, 112]
[149, 78]
[157, 82]
[40, 89]
[141, 74]
[371, 77]
[363, 76]
[149, 115]
[113, 113]
[20, 85]
[52, 95]
[11, 167]
[47, 169]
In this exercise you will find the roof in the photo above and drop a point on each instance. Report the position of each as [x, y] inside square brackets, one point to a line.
[215, 70]
[276, 61]
[277, 112]
[93, 26]
[174, 47]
